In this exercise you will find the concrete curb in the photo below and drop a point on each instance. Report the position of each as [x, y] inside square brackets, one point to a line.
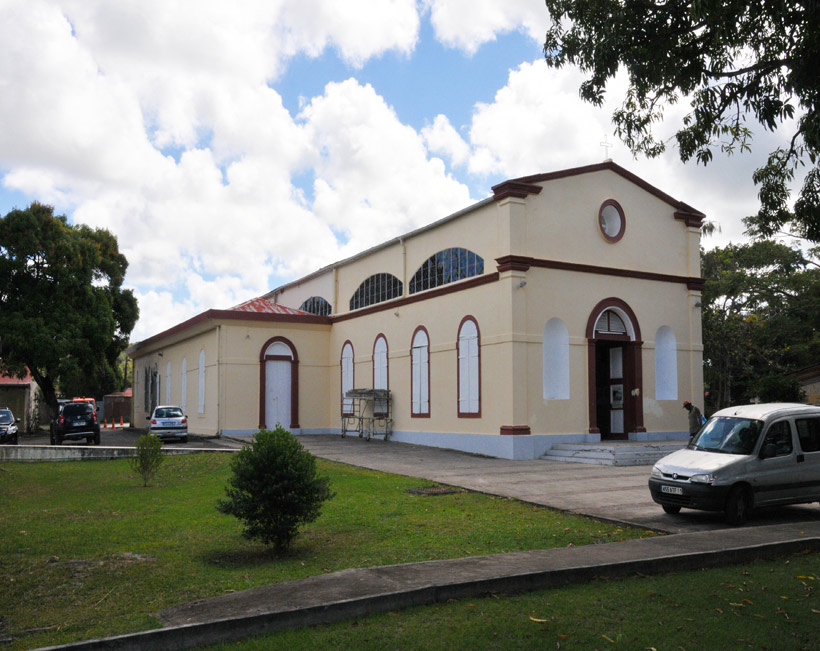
[360, 592]
[35, 453]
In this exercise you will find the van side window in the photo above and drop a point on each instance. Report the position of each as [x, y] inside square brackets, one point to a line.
[781, 435]
[808, 431]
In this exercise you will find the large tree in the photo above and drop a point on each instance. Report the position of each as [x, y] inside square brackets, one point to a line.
[64, 315]
[760, 322]
[732, 60]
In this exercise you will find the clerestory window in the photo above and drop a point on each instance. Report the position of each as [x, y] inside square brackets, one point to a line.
[445, 267]
[377, 288]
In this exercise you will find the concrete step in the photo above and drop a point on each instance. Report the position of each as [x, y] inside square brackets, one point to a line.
[627, 453]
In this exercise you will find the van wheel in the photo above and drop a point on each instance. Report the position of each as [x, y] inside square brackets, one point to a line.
[738, 506]
[671, 510]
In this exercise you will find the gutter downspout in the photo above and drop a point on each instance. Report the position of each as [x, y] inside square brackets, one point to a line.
[220, 381]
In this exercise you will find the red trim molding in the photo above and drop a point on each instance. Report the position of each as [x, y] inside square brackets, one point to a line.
[513, 263]
[381, 335]
[342, 375]
[613, 167]
[515, 430]
[294, 380]
[692, 219]
[621, 229]
[475, 281]
[515, 189]
[467, 414]
[227, 315]
[421, 414]
[633, 362]
[523, 263]
[605, 304]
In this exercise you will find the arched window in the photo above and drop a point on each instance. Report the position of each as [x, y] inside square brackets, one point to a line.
[347, 377]
[201, 401]
[168, 384]
[183, 384]
[316, 305]
[666, 364]
[420, 351]
[609, 323]
[469, 369]
[446, 266]
[381, 378]
[555, 355]
[377, 288]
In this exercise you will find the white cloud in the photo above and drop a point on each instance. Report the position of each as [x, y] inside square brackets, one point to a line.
[161, 122]
[467, 24]
[538, 123]
[442, 138]
[374, 179]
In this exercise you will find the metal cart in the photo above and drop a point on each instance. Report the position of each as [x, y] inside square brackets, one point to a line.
[368, 412]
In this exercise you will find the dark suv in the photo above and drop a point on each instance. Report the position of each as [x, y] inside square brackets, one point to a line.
[77, 420]
[8, 426]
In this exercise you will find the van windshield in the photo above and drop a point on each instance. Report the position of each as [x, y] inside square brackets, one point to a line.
[728, 435]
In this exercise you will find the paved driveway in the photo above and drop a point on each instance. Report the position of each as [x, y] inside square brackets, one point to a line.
[608, 492]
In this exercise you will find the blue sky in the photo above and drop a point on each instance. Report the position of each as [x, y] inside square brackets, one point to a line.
[233, 147]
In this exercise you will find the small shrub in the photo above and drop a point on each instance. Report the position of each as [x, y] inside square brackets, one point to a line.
[274, 488]
[149, 457]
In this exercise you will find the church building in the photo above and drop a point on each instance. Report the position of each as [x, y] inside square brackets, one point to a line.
[565, 307]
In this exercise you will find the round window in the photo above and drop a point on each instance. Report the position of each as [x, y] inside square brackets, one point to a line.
[611, 220]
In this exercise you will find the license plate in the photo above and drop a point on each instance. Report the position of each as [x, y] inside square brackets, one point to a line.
[79, 422]
[672, 490]
[168, 423]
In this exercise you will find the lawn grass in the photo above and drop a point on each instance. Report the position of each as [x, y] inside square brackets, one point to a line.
[88, 552]
[764, 605]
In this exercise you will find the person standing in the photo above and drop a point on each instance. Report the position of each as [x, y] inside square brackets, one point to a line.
[695, 418]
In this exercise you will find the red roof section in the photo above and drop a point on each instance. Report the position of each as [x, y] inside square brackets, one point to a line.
[6, 379]
[266, 306]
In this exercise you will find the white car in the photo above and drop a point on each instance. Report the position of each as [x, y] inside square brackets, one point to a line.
[742, 458]
[169, 422]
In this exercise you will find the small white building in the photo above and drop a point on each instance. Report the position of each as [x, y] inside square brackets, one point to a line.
[563, 308]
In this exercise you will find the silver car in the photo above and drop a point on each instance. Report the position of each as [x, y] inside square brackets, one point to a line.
[169, 422]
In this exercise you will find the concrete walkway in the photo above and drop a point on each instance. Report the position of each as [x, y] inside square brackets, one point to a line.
[614, 493]
[611, 493]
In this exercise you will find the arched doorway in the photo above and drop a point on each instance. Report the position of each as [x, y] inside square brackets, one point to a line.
[279, 385]
[615, 371]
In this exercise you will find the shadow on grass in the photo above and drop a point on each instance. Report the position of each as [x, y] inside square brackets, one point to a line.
[249, 558]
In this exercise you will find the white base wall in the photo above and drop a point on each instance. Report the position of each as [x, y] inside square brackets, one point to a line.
[522, 447]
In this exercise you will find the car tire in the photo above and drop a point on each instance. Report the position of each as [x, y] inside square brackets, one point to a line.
[96, 438]
[671, 510]
[738, 505]
[89, 440]
[183, 439]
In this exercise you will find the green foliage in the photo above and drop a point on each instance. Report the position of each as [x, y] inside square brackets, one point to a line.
[63, 312]
[730, 60]
[148, 457]
[760, 308]
[275, 488]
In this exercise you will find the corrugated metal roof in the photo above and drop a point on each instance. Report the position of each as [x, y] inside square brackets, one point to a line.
[266, 306]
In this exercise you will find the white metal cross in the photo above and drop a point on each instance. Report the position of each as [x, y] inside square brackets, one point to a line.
[606, 145]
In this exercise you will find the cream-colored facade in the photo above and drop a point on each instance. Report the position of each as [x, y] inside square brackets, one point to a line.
[581, 322]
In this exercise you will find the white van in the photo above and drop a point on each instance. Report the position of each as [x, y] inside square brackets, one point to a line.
[743, 458]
